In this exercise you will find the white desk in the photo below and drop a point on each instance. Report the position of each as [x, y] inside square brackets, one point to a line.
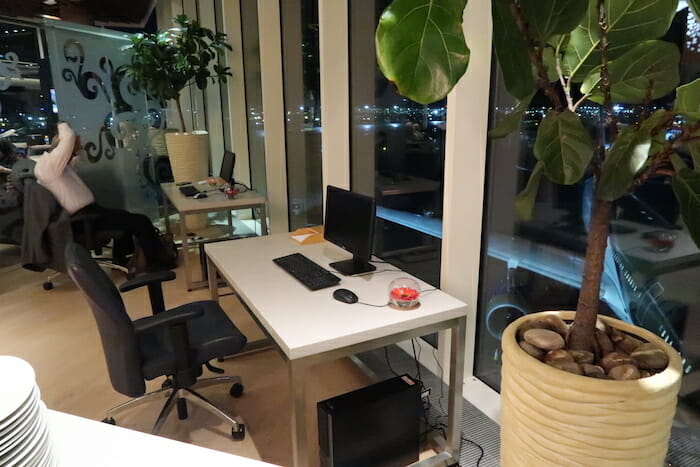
[79, 442]
[215, 201]
[311, 327]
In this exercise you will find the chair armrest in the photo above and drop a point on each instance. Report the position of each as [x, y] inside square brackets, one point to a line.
[146, 279]
[154, 282]
[171, 318]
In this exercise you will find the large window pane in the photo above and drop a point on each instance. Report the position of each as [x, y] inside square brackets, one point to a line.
[397, 155]
[302, 100]
[651, 264]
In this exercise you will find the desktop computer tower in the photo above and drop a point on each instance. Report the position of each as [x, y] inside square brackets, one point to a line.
[375, 426]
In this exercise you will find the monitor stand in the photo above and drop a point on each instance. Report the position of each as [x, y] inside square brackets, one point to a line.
[351, 267]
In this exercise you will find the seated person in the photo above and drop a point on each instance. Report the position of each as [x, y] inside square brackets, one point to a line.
[53, 171]
[9, 196]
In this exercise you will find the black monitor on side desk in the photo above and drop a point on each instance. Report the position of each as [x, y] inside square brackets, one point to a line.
[350, 225]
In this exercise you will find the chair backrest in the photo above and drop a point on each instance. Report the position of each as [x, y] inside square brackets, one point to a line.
[116, 329]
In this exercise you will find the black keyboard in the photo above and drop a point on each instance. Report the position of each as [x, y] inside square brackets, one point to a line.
[188, 190]
[306, 271]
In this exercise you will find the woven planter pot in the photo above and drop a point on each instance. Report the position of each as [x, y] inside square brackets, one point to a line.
[553, 418]
[189, 160]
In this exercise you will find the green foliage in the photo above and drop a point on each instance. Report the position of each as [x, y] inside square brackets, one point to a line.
[686, 186]
[647, 71]
[525, 201]
[629, 21]
[549, 17]
[511, 121]
[563, 146]
[688, 100]
[624, 160]
[511, 50]
[165, 63]
[421, 47]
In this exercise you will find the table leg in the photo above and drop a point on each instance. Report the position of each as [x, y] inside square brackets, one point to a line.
[213, 278]
[166, 213]
[229, 216]
[263, 219]
[300, 442]
[185, 251]
[457, 349]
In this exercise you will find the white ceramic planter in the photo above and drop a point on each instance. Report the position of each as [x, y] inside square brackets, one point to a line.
[553, 418]
[189, 160]
[189, 155]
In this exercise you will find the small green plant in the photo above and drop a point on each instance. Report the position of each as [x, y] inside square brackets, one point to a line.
[603, 51]
[167, 62]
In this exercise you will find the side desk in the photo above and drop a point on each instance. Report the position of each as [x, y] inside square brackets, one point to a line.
[216, 201]
[311, 327]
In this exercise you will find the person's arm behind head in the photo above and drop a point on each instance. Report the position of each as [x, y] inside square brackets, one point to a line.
[53, 163]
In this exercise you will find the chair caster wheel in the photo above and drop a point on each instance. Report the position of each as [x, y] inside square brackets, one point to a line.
[47, 285]
[236, 390]
[109, 421]
[239, 434]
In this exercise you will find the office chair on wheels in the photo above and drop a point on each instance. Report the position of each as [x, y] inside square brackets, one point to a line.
[173, 343]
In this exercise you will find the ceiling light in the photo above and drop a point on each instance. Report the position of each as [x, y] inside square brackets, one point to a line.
[50, 2]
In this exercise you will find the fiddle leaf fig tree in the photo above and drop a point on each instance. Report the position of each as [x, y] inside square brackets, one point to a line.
[165, 63]
[604, 52]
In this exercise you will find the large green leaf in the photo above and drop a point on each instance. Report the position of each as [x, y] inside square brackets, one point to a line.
[688, 99]
[511, 51]
[564, 147]
[623, 161]
[525, 201]
[421, 48]
[695, 6]
[548, 17]
[649, 69]
[686, 186]
[629, 21]
[511, 121]
[694, 150]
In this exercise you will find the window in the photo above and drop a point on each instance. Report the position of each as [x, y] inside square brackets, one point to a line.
[397, 155]
[651, 264]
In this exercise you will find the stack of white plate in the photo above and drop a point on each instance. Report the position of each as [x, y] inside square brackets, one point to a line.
[24, 430]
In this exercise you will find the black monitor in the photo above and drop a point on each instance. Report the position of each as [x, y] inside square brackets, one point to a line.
[227, 165]
[350, 225]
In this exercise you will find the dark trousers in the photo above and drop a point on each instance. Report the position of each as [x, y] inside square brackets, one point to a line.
[130, 226]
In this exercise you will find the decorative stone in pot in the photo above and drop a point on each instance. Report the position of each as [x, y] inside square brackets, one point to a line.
[551, 417]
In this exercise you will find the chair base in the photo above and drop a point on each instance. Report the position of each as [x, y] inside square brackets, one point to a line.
[104, 262]
[175, 395]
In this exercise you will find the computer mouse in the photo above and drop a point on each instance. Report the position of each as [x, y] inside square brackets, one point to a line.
[345, 296]
[200, 195]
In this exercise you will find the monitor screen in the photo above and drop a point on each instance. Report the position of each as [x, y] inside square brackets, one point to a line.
[227, 165]
[350, 225]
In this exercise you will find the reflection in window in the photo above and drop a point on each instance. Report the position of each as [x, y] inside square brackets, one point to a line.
[651, 264]
[302, 91]
[397, 155]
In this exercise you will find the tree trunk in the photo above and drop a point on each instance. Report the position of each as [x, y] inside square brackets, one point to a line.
[583, 330]
[179, 112]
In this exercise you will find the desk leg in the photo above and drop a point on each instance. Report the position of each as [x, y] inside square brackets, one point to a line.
[229, 217]
[185, 250]
[300, 442]
[457, 349]
[166, 214]
[263, 219]
[213, 278]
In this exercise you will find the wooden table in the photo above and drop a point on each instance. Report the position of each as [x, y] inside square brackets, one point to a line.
[311, 327]
[216, 201]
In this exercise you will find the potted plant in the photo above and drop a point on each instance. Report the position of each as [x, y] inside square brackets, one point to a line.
[574, 51]
[165, 64]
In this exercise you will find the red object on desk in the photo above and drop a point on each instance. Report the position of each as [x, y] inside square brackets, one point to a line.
[404, 294]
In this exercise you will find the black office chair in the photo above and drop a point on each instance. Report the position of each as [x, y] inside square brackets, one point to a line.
[174, 343]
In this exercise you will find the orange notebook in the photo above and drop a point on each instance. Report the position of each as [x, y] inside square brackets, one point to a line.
[308, 235]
